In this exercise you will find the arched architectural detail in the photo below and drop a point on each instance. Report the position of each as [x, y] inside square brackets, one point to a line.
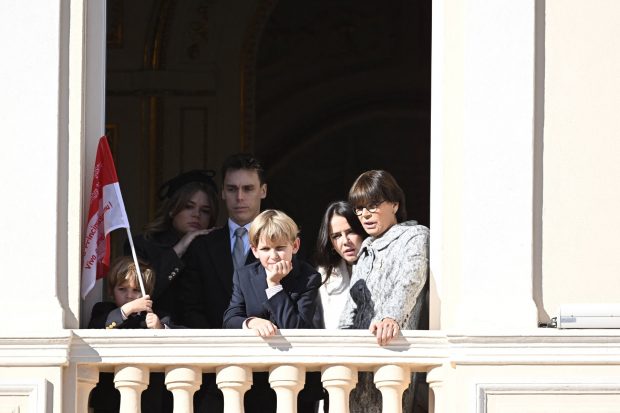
[153, 59]
[249, 52]
[155, 43]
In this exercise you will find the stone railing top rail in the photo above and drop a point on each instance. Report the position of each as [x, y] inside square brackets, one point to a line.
[421, 350]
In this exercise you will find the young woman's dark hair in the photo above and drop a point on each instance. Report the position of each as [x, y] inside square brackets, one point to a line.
[176, 202]
[325, 255]
[374, 187]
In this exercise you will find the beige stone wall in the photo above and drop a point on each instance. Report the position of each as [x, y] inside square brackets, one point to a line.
[482, 164]
[533, 389]
[581, 199]
[31, 389]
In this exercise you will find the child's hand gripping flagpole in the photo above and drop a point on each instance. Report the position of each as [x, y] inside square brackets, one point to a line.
[135, 261]
[106, 213]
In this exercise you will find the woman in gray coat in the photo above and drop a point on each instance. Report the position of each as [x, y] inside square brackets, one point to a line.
[388, 285]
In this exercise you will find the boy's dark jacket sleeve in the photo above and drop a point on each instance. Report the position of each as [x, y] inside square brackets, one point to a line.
[108, 315]
[296, 305]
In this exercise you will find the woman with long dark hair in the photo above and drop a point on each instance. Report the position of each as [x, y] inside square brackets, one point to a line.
[339, 240]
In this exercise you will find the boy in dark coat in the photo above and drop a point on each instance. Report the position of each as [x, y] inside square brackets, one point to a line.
[129, 310]
[276, 292]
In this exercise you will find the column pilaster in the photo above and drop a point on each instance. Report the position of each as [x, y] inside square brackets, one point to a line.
[183, 382]
[392, 381]
[87, 379]
[287, 381]
[233, 381]
[339, 381]
[131, 381]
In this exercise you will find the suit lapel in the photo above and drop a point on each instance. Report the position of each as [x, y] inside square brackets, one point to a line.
[258, 279]
[250, 258]
[222, 257]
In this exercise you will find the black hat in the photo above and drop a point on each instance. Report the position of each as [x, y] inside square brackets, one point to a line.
[169, 187]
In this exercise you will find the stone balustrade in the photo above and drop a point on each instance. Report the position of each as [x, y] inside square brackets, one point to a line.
[183, 355]
[56, 371]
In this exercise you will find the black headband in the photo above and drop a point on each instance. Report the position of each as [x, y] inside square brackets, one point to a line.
[204, 176]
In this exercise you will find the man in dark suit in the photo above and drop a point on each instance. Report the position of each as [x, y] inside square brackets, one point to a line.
[206, 286]
[207, 283]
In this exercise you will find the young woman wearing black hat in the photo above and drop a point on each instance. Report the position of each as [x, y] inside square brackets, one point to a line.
[189, 209]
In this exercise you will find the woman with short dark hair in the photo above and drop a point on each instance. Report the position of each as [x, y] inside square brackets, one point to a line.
[388, 286]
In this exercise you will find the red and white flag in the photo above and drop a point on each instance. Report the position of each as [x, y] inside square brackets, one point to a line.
[106, 213]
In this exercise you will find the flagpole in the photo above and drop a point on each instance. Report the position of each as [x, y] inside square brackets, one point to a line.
[135, 260]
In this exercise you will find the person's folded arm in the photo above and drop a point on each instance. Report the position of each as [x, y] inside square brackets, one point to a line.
[297, 309]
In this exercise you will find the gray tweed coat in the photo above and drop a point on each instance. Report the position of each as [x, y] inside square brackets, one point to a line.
[387, 281]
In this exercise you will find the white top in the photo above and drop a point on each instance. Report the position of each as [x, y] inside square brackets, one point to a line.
[334, 293]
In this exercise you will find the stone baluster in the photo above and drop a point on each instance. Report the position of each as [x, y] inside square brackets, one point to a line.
[87, 379]
[392, 380]
[287, 381]
[234, 381]
[131, 381]
[437, 400]
[183, 382]
[339, 381]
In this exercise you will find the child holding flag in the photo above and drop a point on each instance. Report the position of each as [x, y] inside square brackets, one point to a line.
[130, 309]
[132, 306]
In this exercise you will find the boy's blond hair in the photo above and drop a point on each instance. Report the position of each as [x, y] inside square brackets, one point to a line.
[123, 269]
[273, 225]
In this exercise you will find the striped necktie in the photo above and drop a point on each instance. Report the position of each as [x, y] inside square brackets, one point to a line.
[238, 249]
